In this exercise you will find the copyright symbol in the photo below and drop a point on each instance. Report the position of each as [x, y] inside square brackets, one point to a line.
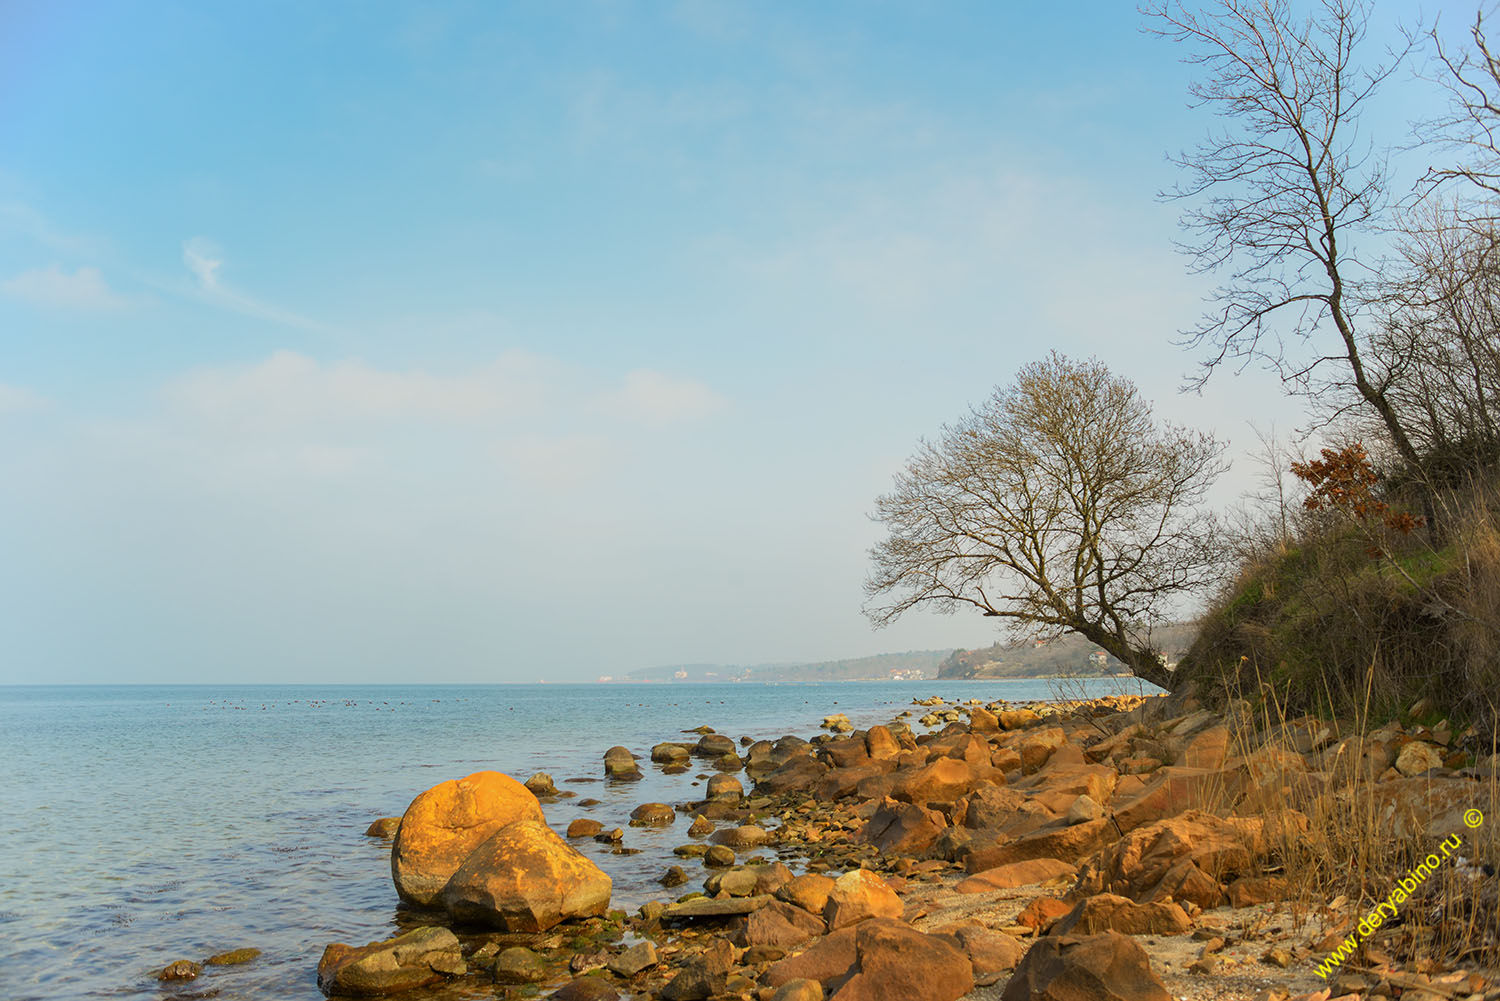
[1473, 818]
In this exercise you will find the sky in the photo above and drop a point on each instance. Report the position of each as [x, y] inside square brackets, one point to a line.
[496, 342]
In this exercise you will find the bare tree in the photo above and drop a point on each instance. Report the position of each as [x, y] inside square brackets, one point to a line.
[1059, 506]
[1278, 197]
[1469, 126]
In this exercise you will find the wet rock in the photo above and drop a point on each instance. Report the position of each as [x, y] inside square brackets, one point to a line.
[584, 827]
[233, 957]
[745, 836]
[701, 827]
[713, 745]
[619, 763]
[879, 960]
[713, 907]
[717, 856]
[725, 788]
[447, 822]
[652, 815]
[633, 960]
[702, 976]
[385, 827]
[858, 896]
[525, 878]
[809, 892]
[1107, 967]
[1007, 877]
[518, 965]
[419, 958]
[797, 774]
[668, 753]
[1103, 912]
[541, 784]
[181, 969]
[674, 876]
[586, 989]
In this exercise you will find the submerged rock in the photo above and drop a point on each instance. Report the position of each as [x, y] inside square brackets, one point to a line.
[419, 958]
[233, 957]
[385, 827]
[181, 969]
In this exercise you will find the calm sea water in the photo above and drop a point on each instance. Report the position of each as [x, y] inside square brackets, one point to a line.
[144, 824]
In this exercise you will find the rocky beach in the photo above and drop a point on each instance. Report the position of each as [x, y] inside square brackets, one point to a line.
[1124, 847]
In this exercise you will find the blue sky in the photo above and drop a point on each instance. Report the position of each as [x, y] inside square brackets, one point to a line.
[495, 342]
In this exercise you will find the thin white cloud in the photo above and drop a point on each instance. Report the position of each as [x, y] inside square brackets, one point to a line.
[205, 261]
[656, 398]
[557, 463]
[54, 288]
[291, 390]
[15, 399]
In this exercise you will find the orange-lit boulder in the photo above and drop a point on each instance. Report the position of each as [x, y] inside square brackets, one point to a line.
[524, 878]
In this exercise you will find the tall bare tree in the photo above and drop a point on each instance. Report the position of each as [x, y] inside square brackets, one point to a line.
[1061, 505]
[1279, 196]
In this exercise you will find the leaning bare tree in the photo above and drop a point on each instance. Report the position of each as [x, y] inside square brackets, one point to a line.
[1278, 198]
[1061, 505]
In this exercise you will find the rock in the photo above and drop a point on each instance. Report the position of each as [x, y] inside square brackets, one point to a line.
[809, 892]
[713, 907]
[719, 856]
[1428, 807]
[518, 965]
[667, 754]
[633, 960]
[234, 957]
[989, 951]
[1208, 749]
[736, 882]
[586, 989]
[674, 876]
[880, 960]
[652, 815]
[1083, 808]
[619, 763]
[447, 822]
[541, 784]
[1171, 791]
[799, 990]
[745, 836]
[525, 878]
[1038, 745]
[584, 827]
[981, 720]
[419, 958]
[701, 827]
[1042, 913]
[858, 896]
[1247, 891]
[180, 969]
[713, 745]
[902, 828]
[1416, 757]
[1068, 843]
[702, 976]
[725, 788]
[1103, 912]
[942, 781]
[1107, 967]
[1007, 877]
[881, 744]
[385, 827]
[778, 924]
[1016, 719]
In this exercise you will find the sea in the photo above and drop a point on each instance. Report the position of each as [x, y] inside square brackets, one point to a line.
[145, 824]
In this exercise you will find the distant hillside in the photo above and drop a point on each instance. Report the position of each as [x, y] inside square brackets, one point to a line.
[1069, 655]
[914, 665]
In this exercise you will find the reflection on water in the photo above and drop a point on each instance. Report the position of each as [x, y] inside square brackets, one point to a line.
[147, 824]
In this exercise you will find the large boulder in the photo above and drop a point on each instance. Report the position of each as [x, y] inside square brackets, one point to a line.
[524, 878]
[447, 822]
[942, 781]
[619, 763]
[777, 924]
[1067, 843]
[1008, 877]
[419, 958]
[1107, 967]
[879, 960]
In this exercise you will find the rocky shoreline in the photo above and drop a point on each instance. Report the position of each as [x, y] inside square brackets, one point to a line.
[1129, 848]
